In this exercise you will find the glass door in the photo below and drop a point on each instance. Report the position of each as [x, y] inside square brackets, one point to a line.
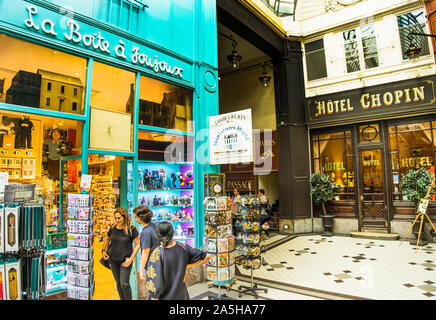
[373, 211]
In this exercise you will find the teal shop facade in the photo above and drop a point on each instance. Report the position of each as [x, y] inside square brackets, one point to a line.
[171, 41]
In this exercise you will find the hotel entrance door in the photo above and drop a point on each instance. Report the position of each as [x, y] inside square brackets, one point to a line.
[373, 207]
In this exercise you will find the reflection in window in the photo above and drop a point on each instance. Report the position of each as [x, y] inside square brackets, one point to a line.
[413, 22]
[157, 146]
[112, 88]
[165, 105]
[358, 41]
[411, 147]
[30, 74]
[332, 154]
[315, 60]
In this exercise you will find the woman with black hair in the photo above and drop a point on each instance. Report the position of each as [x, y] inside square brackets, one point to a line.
[147, 239]
[167, 266]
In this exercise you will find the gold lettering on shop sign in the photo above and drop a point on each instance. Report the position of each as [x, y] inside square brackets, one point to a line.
[416, 162]
[333, 166]
[370, 101]
[368, 163]
[335, 106]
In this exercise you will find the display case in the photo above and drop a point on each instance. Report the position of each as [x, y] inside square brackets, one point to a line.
[167, 189]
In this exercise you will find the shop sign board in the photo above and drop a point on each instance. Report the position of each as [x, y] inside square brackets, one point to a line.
[242, 182]
[72, 29]
[382, 101]
[231, 138]
[19, 192]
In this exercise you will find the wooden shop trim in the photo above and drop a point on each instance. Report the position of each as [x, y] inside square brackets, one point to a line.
[260, 10]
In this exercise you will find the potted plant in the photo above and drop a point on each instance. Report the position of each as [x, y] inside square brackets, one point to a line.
[414, 185]
[323, 189]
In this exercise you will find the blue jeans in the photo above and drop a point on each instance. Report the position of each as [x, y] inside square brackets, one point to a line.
[122, 278]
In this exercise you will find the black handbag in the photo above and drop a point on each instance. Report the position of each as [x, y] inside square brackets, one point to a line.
[104, 262]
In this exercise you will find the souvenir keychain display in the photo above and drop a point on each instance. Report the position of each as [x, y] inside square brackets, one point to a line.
[80, 275]
[251, 239]
[22, 249]
[219, 242]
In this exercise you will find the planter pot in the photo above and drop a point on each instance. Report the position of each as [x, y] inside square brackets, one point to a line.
[415, 230]
[327, 223]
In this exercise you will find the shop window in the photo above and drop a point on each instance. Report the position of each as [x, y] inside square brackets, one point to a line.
[360, 48]
[34, 73]
[112, 88]
[414, 21]
[332, 154]
[411, 147]
[30, 149]
[157, 146]
[315, 60]
[369, 133]
[165, 105]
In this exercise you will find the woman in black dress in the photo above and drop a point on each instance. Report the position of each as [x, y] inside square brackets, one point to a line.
[121, 252]
[168, 264]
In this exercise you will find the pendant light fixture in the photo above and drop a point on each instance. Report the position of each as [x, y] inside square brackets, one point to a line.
[265, 78]
[234, 58]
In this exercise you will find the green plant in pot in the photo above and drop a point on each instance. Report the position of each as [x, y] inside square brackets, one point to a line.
[414, 185]
[323, 189]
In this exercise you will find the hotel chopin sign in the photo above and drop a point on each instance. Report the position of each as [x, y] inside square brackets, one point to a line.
[383, 101]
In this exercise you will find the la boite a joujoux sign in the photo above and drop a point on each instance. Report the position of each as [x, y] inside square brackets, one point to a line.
[231, 138]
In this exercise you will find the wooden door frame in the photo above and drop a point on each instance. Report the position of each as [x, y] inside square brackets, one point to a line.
[358, 148]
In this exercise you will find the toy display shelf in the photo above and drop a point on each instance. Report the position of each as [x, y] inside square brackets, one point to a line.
[167, 190]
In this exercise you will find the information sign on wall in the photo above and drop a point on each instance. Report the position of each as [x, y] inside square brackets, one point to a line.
[231, 138]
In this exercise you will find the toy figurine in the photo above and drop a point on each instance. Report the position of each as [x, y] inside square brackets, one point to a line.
[162, 179]
[174, 179]
[140, 181]
[147, 180]
[155, 179]
[186, 179]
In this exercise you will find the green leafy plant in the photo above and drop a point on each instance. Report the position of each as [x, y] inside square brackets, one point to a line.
[322, 189]
[415, 183]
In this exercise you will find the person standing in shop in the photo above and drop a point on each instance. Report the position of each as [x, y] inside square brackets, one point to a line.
[147, 239]
[167, 266]
[266, 207]
[235, 207]
[120, 251]
[53, 153]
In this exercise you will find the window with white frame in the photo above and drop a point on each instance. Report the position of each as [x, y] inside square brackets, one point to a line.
[360, 46]
[413, 21]
[315, 60]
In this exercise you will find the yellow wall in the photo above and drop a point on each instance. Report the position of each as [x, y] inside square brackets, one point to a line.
[243, 90]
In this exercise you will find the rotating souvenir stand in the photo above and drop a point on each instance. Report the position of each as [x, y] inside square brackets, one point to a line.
[80, 275]
[250, 211]
[220, 245]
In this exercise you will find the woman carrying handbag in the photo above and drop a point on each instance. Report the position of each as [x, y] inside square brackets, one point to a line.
[120, 252]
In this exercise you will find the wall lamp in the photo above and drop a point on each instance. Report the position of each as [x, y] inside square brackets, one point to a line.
[414, 51]
[234, 58]
[265, 79]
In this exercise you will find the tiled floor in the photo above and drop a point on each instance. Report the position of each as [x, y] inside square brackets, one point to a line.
[104, 280]
[351, 268]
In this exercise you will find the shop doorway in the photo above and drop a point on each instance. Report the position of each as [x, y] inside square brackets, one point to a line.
[373, 201]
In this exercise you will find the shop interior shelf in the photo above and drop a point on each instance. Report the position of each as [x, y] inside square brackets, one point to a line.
[157, 207]
[171, 189]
